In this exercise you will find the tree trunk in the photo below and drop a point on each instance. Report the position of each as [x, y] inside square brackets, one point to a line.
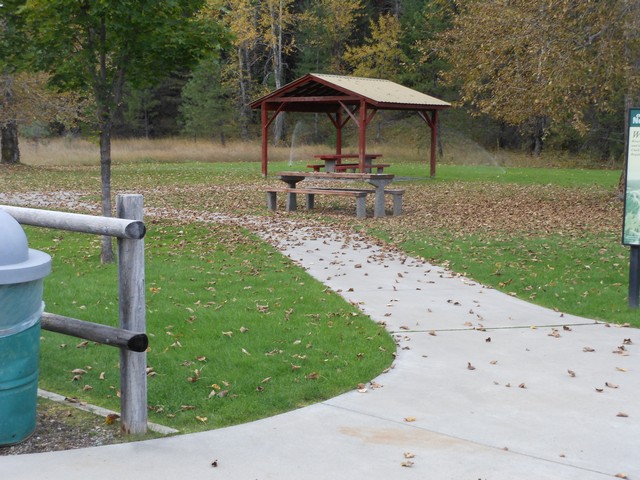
[9, 143]
[539, 130]
[278, 67]
[106, 254]
[243, 82]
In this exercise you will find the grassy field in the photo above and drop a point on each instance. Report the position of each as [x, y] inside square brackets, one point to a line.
[547, 235]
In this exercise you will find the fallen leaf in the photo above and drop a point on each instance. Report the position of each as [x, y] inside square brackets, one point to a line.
[622, 414]
[102, 374]
[621, 475]
[571, 373]
[201, 419]
[410, 419]
[313, 376]
[599, 390]
[228, 334]
[488, 339]
[522, 385]
[245, 352]
[588, 349]
[409, 455]
[112, 417]
[610, 385]
[214, 463]
[87, 388]
[266, 380]
[243, 329]
[621, 369]
[407, 463]
[470, 367]
[627, 341]
[79, 371]
[82, 344]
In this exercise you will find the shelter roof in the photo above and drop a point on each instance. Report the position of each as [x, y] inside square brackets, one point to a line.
[317, 92]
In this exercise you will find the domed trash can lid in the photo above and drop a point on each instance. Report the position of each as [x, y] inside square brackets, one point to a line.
[18, 262]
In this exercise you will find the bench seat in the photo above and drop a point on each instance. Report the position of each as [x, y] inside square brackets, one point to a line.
[354, 166]
[310, 192]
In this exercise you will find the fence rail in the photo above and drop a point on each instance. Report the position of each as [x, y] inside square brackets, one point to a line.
[77, 222]
[95, 332]
[131, 337]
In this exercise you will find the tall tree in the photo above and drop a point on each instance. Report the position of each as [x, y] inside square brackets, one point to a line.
[532, 63]
[97, 45]
[206, 110]
[244, 59]
[381, 55]
[329, 27]
[277, 20]
[24, 99]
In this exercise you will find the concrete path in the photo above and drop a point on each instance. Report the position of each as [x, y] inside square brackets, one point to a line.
[485, 386]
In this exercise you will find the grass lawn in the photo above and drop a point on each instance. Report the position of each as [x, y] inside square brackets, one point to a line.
[237, 331]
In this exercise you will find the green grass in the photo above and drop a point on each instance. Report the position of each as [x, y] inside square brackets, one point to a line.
[585, 276]
[237, 331]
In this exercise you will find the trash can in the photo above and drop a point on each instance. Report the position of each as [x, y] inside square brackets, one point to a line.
[21, 285]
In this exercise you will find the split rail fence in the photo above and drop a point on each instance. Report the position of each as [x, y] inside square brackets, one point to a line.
[130, 337]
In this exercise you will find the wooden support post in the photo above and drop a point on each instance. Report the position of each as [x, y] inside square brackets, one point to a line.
[434, 143]
[131, 284]
[362, 145]
[265, 137]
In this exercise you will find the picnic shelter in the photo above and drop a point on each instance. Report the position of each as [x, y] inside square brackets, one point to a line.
[345, 98]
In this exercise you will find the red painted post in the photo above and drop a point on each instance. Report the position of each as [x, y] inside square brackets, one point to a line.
[265, 137]
[339, 132]
[434, 141]
[363, 134]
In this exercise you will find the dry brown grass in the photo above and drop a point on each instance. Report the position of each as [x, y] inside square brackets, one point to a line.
[455, 150]
[80, 152]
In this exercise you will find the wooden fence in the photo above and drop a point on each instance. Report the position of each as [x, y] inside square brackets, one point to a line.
[131, 337]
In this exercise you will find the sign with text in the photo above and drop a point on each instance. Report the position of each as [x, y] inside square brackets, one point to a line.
[631, 224]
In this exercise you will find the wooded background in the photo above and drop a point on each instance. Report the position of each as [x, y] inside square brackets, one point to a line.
[522, 74]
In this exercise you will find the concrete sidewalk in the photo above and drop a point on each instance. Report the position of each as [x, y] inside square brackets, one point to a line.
[481, 389]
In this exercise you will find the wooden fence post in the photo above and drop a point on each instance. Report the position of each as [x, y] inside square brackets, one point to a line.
[131, 285]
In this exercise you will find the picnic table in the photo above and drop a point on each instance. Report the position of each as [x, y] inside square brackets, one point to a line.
[333, 162]
[377, 180]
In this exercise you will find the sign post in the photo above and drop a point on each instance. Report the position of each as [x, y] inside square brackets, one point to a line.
[631, 223]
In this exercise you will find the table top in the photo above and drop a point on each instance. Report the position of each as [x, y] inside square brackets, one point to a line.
[339, 156]
[337, 175]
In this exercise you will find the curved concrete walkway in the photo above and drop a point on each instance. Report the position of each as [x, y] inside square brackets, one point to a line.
[481, 389]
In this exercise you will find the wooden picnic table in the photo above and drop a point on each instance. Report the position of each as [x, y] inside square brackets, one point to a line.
[377, 180]
[333, 162]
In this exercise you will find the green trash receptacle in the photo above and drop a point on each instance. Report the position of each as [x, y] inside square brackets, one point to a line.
[22, 271]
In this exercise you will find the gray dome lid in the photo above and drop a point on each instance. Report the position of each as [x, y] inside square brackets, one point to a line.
[18, 262]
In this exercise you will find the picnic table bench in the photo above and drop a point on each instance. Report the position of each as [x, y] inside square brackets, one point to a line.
[379, 181]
